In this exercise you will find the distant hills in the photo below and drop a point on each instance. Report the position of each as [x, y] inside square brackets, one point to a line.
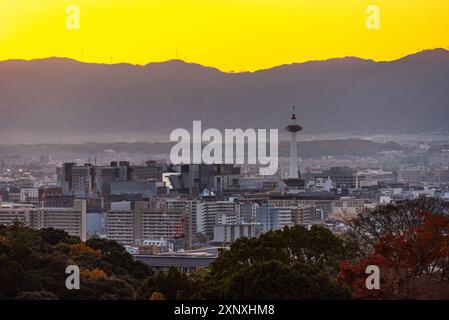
[67, 98]
[307, 149]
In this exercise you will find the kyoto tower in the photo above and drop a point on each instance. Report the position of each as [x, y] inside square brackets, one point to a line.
[293, 127]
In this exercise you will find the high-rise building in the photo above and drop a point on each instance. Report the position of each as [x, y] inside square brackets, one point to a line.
[120, 223]
[118, 181]
[273, 218]
[29, 195]
[146, 220]
[194, 178]
[53, 196]
[191, 208]
[246, 211]
[412, 174]
[306, 214]
[208, 213]
[321, 200]
[10, 212]
[151, 171]
[72, 220]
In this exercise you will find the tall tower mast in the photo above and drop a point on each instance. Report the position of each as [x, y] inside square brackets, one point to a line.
[293, 128]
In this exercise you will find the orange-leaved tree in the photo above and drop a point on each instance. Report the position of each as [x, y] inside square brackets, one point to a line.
[414, 264]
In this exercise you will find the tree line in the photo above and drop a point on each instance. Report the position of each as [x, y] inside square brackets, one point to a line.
[408, 241]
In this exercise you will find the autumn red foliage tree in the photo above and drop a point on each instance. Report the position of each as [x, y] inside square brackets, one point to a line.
[414, 264]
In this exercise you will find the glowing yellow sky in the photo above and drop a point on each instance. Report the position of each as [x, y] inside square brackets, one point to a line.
[232, 35]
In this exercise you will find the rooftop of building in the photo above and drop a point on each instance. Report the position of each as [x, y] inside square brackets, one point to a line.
[10, 205]
[161, 260]
[304, 196]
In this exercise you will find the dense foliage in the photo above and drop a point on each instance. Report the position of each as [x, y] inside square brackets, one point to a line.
[291, 264]
[409, 242]
[33, 264]
[392, 219]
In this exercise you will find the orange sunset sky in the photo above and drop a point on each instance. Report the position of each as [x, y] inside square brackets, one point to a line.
[232, 35]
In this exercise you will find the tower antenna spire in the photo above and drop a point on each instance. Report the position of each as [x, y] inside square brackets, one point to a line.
[293, 110]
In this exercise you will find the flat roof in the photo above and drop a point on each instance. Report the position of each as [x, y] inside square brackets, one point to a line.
[175, 260]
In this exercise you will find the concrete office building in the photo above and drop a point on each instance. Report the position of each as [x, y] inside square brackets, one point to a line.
[120, 223]
[208, 212]
[53, 196]
[10, 212]
[412, 174]
[246, 211]
[322, 200]
[72, 220]
[348, 205]
[306, 214]
[160, 223]
[341, 177]
[194, 178]
[229, 232]
[146, 220]
[273, 218]
[29, 195]
[189, 206]
[92, 179]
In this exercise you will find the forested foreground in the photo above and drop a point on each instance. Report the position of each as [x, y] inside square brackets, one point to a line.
[409, 242]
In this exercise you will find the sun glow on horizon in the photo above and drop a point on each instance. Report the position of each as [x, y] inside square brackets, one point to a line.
[233, 35]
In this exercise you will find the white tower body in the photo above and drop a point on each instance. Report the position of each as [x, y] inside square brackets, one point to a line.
[294, 127]
[293, 157]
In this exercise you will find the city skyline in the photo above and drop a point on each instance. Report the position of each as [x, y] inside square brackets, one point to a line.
[245, 151]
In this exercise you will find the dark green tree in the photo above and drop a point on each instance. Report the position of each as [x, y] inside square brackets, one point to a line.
[172, 284]
[33, 264]
[293, 263]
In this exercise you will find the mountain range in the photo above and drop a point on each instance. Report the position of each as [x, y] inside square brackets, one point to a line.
[64, 97]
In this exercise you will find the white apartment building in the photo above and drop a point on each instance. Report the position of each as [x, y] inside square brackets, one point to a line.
[10, 212]
[349, 205]
[146, 221]
[246, 211]
[72, 220]
[29, 194]
[120, 223]
[207, 213]
[412, 174]
[227, 233]
[273, 218]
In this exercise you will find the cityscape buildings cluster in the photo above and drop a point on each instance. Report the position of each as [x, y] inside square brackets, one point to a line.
[185, 211]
